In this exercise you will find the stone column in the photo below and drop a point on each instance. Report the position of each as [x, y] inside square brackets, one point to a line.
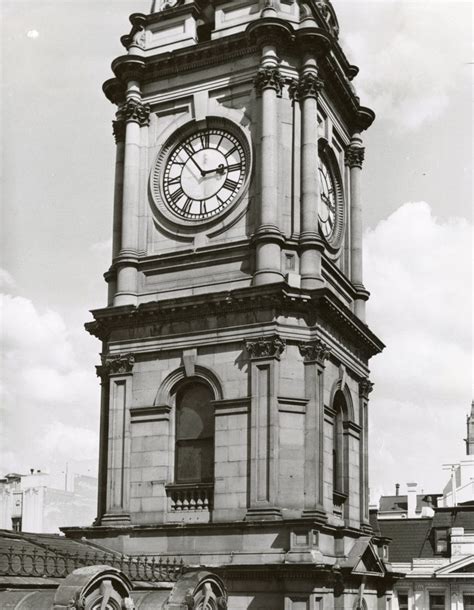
[354, 159]
[136, 115]
[119, 135]
[119, 370]
[311, 244]
[315, 354]
[102, 373]
[268, 84]
[365, 387]
[264, 353]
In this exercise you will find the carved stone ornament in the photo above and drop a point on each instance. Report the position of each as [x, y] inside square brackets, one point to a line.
[268, 78]
[165, 4]
[118, 129]
[309, 85]
[265, 347]
[365, 388]
[355, 156]
[120, 364]
[134, 110]
[315, 351]
[327, 12]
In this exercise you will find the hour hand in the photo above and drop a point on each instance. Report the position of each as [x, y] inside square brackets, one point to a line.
[219, 170]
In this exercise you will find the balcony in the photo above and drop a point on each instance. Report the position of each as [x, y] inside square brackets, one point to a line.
[190, 497]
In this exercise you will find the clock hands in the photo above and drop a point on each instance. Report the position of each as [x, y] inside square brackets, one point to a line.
[197, 165]
[220, 169]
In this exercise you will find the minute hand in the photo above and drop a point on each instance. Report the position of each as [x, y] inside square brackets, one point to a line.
[201, 171]
[220, 169]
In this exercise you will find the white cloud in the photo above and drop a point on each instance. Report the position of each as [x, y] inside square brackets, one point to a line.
[49, 392]
[32, 34]
[6, 280]
[411, 64]
[419, 272]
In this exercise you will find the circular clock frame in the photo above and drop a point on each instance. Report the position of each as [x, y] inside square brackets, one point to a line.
[332, 196]
[201, 172]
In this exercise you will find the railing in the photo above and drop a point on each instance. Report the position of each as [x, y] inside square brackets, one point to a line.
[338, 499]
[190, 496]
[23, 562]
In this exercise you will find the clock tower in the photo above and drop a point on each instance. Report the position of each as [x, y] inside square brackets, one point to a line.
[234, 374]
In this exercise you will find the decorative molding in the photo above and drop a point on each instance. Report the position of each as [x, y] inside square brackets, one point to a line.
[231, 406]
[354, 156]
[315, 351]
[365, 388]
[149, 414]
[118, 129]
[120, 364]
[136, 111]
[265, 347]
[268, 78]
[309, 85]
[288, 404]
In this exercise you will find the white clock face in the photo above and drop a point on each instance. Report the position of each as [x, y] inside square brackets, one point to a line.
[204, 174]
[328, 206]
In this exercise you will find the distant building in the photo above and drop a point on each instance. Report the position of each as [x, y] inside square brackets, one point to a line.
[410, 506]
[42, 502]
[436, 554]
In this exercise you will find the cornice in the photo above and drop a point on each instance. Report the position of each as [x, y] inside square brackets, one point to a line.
[319, 305]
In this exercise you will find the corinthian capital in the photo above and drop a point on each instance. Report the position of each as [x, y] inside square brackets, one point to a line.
[268, 78]
[309, 86]
[365, 388]
[355, 156]
[119, 364]
[315, 351]
[133, 110]
[265, 347]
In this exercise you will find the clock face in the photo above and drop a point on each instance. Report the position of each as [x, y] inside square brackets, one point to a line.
[328, 207]
[204, 173]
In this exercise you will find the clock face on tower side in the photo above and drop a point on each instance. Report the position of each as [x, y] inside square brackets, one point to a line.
[328, 207]
[204, 173]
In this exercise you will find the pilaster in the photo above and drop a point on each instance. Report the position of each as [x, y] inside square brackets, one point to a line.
[264, 355]
[115, 502]
[365, 387]
[314, 354]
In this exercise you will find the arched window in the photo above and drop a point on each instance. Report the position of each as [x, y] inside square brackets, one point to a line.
[194, 459]
[338, 451]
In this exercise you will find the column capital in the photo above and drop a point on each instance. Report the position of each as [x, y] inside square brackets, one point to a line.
[118, 129]
[354, 156]
[365, 388]
[135, 111]
[308, 85]
[315, 351]
[119, 364]
[265, 347]
[268, 78]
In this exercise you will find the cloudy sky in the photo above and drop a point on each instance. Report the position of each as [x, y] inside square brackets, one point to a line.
[57, 164]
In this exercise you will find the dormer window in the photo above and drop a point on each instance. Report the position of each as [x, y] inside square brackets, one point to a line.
[441, 541]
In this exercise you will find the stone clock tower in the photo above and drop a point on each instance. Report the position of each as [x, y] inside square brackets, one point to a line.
[234, 346]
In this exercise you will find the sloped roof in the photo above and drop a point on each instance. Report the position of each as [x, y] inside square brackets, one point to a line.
[400, 503]
[409, 538]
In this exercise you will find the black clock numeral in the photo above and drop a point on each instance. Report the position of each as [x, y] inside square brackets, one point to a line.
[187, 205]
[189, 149]
[176, 180]
[178, 193]
[204, 137]
[203, 207]
[231, 151]
[234, 167]
[231, 185]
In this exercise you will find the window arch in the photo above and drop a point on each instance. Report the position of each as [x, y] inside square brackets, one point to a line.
[338, 451]
[194, 454]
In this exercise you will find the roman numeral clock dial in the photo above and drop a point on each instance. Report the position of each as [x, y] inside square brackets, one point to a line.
[204, 173]
[328, 207]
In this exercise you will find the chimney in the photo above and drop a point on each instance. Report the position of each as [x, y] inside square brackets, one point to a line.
[411, 499]
[397, 489]
[32, 470]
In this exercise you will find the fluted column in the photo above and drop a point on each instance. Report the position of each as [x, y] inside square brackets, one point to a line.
[315, 354]
[365, 387]
[102, 373]
[136, 115]
[354, 159]
[268, 84]
[311, 244]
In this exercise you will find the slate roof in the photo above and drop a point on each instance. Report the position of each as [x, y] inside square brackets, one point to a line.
[414, 538]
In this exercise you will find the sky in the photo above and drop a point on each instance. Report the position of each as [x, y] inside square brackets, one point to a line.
[57, 164]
